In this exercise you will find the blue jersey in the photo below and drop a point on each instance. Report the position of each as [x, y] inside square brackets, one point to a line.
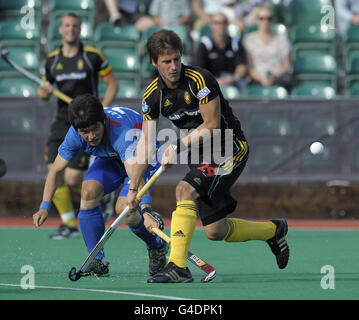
[121, 133]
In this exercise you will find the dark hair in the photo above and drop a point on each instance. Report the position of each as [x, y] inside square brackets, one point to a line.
[161, 41]
[85, 111]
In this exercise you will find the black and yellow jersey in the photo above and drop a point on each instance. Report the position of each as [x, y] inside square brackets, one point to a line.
[181, 105]
[77, 75]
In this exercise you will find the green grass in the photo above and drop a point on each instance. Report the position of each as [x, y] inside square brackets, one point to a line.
[244, 270]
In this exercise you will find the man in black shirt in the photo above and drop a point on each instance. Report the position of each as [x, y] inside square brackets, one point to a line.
[223, 55]
[75, 69]
[191, 98]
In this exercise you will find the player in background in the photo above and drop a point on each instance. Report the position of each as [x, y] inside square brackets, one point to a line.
[111, 135]
[74, 68]
[191, 98]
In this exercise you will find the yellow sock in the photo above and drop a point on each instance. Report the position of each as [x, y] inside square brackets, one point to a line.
[183, 224]
[63, 203]
[242, 230]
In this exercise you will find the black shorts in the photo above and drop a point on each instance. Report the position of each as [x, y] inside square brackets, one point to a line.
[215, 201]
[57, 135]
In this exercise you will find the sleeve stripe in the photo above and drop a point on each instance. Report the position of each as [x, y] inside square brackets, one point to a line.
[92, 49]
[151, 87]
[200, 81]
[146, 117]
[105, 72]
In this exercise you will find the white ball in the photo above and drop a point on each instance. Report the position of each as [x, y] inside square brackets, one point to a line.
[316, 148]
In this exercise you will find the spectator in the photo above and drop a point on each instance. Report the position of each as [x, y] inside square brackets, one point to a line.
[127, 12]
[202, 10]
[245, 12]
[170, 12]
[347, 13]
[223, 55]
[268, 54]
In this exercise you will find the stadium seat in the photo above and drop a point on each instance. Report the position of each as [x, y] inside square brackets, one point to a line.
[10, 10]
[268, 124]
[315, 124]
[306, 11]
[351, 41]
[24, 57]
[304, 90]
[13, 34]
[353, 90]
[230, 92]
[108, 35]
[315, 66]
[128, 88]
[17, 87]
[54, 38]
[274, 92]
[83, 8]
[351, 69]
[277, 28]
[124, 61]
[304, 37]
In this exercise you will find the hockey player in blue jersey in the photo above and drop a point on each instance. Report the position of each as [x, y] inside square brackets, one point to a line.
[111, 135]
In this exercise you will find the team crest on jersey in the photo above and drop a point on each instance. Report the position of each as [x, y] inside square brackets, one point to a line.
[203, 93]
[145, 107]
[80, 64]
[187, 97]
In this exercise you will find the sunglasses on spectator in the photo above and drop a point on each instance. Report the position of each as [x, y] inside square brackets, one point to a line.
[269, 18]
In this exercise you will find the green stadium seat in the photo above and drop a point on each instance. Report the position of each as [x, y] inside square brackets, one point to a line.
[83, 8]
[274, 92]
[315, 124]
[10, 10]
[315, 66]
[54, 38]
[128, 88]
[304, 37]
[353, 90]
[277, 28]
[125, 63]
[13, 34]
[268, 124]
[309, 91]
[351, 69]
[15, 122]
[306, 11]
[24, 57]
[108, 35]
[351, 40]
[17, 87]
[230, 92]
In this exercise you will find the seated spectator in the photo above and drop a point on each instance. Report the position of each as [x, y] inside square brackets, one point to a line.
[268, 54]
[347, 14]
[245, 12]
[223, 55]
[202, 10]
[127, 12]
[170, 12]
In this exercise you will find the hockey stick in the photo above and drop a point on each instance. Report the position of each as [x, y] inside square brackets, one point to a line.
[4, 55]
[198, 262]
[76, 275]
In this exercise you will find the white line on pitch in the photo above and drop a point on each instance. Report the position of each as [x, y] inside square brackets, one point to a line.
[101, 291]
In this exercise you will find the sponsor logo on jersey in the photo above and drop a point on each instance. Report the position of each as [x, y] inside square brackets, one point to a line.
[167, 103]
[145, 107]
[187, 97]
[203, 93]
[80, 64]
[59, 66]
[71, 76]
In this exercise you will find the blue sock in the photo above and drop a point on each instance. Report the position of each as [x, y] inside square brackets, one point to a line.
[151, 240]
[92, 227]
